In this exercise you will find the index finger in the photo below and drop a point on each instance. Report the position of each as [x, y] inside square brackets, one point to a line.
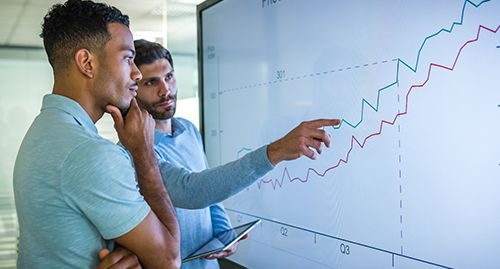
[116, 114]
[323, 122]
[134, 105]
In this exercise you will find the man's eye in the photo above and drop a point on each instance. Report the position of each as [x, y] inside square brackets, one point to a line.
[169, 77]
[148, 83]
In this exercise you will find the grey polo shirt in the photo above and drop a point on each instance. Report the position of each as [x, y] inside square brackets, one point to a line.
[73, 189]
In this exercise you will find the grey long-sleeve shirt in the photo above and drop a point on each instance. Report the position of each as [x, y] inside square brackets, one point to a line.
[199, 190]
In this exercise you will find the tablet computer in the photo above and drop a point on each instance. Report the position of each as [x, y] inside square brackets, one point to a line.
[222, 241]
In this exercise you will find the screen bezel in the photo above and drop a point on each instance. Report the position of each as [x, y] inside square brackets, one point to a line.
[199, 20]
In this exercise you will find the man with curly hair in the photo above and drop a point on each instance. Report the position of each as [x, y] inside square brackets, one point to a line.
[75, 191]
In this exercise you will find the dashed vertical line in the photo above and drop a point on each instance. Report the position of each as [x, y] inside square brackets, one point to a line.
[400, 179]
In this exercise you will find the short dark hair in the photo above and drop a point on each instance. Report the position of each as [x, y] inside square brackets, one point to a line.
[146, 52]
[77, 24]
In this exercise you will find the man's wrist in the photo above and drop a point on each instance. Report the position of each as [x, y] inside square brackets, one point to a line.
[142, 153]
[273, 153]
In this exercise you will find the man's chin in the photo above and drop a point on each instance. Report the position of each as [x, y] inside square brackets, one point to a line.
[162, 116]
[124, 108]
[124, 111]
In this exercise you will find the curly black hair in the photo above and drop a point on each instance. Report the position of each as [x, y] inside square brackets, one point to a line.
[77, 24]
[147, 52]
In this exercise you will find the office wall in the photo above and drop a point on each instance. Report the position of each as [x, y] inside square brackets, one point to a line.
[26, 78]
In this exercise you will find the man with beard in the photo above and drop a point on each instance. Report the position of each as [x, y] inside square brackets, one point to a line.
[178, 141]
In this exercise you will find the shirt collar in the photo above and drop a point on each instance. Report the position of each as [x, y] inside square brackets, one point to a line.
[70, 106]
[177, 129]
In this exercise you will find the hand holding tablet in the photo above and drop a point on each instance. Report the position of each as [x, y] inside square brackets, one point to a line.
[222, 241]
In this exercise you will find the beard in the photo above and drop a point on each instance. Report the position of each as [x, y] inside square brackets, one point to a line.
[156, 113]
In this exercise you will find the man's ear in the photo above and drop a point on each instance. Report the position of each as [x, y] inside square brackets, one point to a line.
[86, 62]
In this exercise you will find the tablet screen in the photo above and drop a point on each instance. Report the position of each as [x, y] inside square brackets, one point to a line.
[222, 241]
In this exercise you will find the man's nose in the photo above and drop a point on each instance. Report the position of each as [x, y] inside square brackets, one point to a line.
[164, 89]
[136, 74]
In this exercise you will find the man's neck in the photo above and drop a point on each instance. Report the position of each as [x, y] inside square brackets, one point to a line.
[78, 95]
[164, 126]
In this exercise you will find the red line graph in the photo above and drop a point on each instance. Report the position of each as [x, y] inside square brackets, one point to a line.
[286, 175]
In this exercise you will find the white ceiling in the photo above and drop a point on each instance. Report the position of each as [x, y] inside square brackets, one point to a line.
[20, 21]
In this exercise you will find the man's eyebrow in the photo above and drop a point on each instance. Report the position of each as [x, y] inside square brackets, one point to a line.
[149, 78]
[129, 49]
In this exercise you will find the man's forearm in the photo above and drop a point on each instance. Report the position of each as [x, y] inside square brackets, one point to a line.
[156, 195]
[211, 186]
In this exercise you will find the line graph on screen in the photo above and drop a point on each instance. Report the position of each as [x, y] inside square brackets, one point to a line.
[415, 92]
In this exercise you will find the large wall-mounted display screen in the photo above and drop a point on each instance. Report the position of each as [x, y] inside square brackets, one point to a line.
[412, 179]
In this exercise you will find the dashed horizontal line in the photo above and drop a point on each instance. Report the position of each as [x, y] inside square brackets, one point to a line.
[305, 76]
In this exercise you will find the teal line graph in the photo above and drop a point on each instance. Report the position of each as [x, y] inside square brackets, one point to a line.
[413, 69]
[399, 61]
